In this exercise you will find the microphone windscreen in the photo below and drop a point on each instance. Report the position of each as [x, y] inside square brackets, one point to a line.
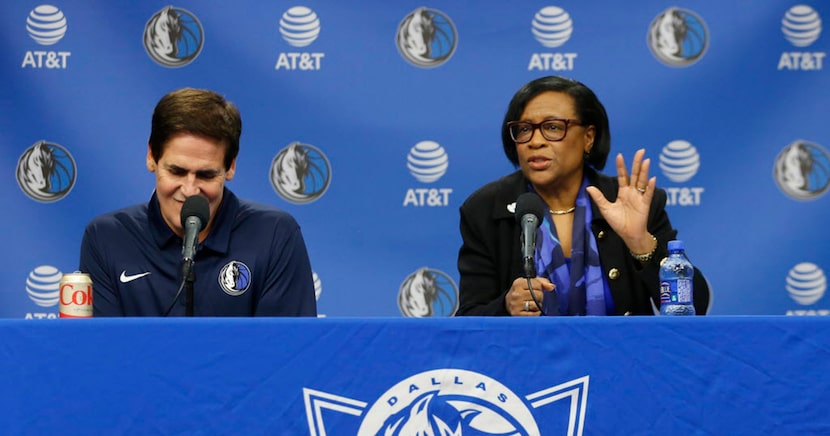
[197, 206]
[530, 202]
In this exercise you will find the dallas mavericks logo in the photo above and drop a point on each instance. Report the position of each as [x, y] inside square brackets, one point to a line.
[173, 37]
[299, 26]
[235, 278]
[426, 38]
[449, 402]
[428, 293]
[678, 37]
[46, 172]
[46, 24]
[300, 173]
[802, 170]
[801, 25]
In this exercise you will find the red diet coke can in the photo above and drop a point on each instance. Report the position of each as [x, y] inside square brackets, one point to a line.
[76, 295]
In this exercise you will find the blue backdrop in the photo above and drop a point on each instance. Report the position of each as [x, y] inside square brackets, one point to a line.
[397, 106]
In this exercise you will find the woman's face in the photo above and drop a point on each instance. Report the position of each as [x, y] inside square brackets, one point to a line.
[554, 164]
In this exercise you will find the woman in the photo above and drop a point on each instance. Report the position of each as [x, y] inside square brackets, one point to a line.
[599, 247]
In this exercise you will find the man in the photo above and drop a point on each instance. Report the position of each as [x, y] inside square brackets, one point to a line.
[251, 259]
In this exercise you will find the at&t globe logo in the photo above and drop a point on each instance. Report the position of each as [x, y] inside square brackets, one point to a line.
[678, 37]
[46, 172]
[801, 26]
[299, 27]
[428, 293]
[427, 161]
[680, 161]
[300, 173]
[802, 170]
[806, 284]
[43, 288]
[173, 37]
[552, 27]
[46, 25]
[426, 38]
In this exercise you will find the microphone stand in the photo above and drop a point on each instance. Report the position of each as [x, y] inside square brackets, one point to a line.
[189, 277]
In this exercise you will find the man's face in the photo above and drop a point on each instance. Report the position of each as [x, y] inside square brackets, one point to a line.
[189, 165]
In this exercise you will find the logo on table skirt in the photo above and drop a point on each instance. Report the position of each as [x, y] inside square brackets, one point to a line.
[235, 278]
[450, 401]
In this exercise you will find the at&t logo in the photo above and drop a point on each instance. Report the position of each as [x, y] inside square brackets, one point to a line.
[451, 402]
[43, 288]
[299, 27]
[427, 161]
[679, 162]
[801, 26]
[46, 24]
[806, 284]
[552, 27]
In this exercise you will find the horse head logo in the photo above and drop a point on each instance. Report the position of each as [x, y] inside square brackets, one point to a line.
[802, 170]
[424, 294]
[426, 38]
[678, 37]
[46, 172]
[173, 37]
[300, 173]
[234, 278]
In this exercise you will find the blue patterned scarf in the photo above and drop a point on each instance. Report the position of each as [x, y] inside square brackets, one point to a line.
[580, 289]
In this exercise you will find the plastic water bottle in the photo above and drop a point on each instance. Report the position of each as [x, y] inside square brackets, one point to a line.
[676, 272]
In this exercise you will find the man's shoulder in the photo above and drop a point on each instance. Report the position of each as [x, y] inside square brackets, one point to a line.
[256, 212]
[118, 218]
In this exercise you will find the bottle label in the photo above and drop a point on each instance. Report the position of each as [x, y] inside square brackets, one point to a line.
[676, 291]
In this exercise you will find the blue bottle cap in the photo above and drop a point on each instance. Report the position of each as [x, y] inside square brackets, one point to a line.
[676, 245]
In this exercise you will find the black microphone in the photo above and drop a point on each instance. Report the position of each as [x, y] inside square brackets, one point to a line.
[195, 216]
[530, 210]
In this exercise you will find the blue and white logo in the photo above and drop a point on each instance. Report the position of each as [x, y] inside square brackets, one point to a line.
[679, 161]
[801, 25]
[46, 172]
[46, 24]
[235, 278]
[173, 37]
[552, 26]
[427, 161]
[43, 285]
[802, 170]
[678, 37]
[451, 401]
[806, 283]
[426, 38]
[300, 173]
[299, 26]
[428, 293]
